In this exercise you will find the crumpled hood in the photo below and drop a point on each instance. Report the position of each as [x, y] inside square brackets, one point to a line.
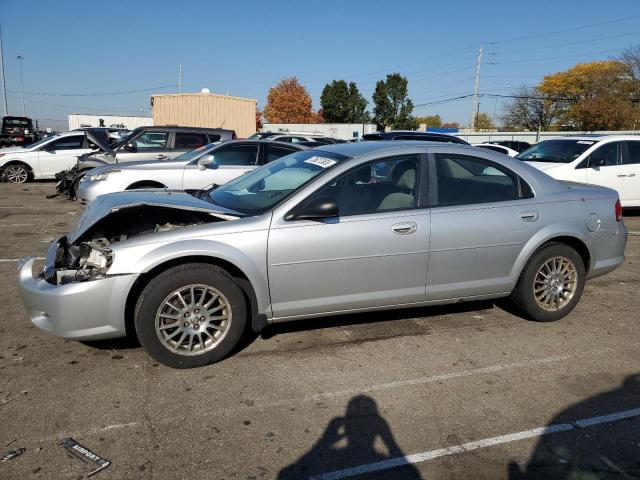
[545, 166]
[112, 202]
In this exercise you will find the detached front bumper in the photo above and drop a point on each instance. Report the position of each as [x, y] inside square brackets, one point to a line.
[88, 310]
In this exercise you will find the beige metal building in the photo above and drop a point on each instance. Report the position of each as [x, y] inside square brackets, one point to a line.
[206, 110]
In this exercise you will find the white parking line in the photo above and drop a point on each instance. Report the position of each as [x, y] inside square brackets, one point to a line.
[7, 260]
[486, 442]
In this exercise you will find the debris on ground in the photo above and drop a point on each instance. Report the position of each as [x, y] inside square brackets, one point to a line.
[13, 453]
[84, 454]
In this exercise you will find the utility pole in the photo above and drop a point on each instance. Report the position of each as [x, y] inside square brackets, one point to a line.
[180, 78]
[20, 58]
[475, 89]
[4, 85]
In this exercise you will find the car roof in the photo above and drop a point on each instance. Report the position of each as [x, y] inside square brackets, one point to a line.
[357, 149]
[175, 128]
[263, 140]
[596, 137]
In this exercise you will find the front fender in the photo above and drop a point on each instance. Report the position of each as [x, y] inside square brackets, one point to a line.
[247, 254]
[543, 236]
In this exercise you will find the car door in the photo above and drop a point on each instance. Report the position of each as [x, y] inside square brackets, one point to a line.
[229, 161]
[373, 254]
[630, 191]
[61, 154]
[480, 219]
[604, 167]
[147, 145]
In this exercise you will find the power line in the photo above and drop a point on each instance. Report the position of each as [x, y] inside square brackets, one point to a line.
[573, 29]
[555, 58]
[99, 94]
[77, 107]
[558, 45]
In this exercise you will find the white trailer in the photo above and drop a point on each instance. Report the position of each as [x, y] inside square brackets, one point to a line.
[79, 120]
[342, 131]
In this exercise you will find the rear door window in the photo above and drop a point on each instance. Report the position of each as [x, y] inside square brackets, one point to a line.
[463, 180]
[633, 152]
[274, 152]
[189, 140]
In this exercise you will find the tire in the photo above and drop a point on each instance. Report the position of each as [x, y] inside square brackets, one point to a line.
[162, 320]
[17, 173]
[565, 270]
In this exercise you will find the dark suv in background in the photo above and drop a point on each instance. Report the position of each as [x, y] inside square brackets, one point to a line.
[17, 131]
[410, 135]
[155, 143]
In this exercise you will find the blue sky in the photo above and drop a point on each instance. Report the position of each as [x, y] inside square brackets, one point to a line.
[244, 47]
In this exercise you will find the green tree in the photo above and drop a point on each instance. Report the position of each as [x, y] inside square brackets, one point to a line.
[430, 121]
[342, 103]
[484, 122]
[392, 107]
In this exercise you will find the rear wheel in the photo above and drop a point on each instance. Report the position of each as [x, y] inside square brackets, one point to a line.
[551, 283]
[17, 173]
[190, 316]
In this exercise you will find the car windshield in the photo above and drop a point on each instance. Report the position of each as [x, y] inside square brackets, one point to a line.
[556, 151]
[193, 154]
[122, 140]
[260, 190]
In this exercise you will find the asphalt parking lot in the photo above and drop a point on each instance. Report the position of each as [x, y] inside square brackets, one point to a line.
[463, 391]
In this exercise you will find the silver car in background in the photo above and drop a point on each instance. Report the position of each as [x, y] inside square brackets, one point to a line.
[211, 164]
[349, 228]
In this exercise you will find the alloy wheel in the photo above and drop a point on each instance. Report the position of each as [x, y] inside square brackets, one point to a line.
[16, 173]
[555, 284]
[193, 320]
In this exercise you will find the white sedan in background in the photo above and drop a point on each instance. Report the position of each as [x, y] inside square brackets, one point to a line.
[43, 159]
[216, 163]
[497, 148]
[609, 160]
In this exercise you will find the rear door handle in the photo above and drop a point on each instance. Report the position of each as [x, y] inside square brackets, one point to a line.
[405, 228]
[531, 216]
[622, 175]
[161, 157]
[631, 175]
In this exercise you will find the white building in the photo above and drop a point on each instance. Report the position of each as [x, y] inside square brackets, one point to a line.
[343, 131]
[78, 120]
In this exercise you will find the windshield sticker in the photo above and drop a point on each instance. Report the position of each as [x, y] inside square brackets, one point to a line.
[586, 142]
[320, 161]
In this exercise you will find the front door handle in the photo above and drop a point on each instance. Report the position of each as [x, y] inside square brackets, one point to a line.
[531, 216]
[622, 175]
[405, 228]
[161, 157]
[631, 175]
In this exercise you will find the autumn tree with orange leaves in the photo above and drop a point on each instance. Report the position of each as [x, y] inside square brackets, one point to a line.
[289, 102]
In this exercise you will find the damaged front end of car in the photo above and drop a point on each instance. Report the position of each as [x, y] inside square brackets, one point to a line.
[87, 252]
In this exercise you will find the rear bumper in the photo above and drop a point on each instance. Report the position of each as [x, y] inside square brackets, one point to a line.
[88, 310]
[608, 251]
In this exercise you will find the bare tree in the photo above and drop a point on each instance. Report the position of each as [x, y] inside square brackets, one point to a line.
[527, 111]
[631, 58]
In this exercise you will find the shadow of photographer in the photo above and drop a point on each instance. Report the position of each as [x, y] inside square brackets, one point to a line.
[362, 436]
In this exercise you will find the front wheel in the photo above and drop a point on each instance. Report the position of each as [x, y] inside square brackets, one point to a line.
[551, 283]
[16, 173]
[190, 316]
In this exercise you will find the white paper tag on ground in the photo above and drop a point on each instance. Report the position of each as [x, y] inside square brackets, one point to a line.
[320, 161]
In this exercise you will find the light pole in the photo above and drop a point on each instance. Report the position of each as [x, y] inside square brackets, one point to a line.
[20, 58]
[477, 115]
[4, 85]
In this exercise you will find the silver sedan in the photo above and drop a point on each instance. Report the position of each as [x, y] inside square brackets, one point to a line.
[349, 228]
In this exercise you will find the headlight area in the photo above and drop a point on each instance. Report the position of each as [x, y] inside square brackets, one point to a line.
[78, 263]
[99, 176]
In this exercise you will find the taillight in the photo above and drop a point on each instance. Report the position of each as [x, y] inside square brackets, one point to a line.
[618, 211]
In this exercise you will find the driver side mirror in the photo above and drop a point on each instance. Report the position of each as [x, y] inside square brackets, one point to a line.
[204, 162]
[316, 209]
[50, 147]
[597, 162]
[131, 147]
